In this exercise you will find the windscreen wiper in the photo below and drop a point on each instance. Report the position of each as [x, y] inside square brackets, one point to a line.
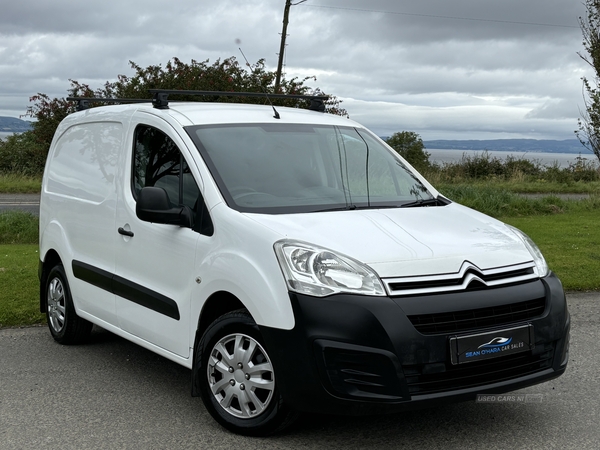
[421, 202]
[339, 208]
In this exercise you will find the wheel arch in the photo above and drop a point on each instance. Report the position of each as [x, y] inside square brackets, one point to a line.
[51, 259]
[216, 305]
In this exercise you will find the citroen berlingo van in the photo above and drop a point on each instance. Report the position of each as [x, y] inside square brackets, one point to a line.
[289, 258]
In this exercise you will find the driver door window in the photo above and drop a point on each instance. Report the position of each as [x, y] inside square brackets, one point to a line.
[158, 162]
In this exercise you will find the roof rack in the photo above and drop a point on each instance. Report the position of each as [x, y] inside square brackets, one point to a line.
[160, 98]
[84, 102]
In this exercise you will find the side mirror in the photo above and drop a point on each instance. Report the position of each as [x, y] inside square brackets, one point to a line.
[153, 205]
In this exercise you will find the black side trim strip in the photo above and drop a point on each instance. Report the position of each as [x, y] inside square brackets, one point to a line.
[145, 297]
[90, 274]
[127, 289]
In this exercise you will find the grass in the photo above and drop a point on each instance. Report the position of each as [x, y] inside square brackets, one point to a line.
[503, 203]
[19, 184]
[570, 243]
[18, 227]
[19, 304]
[527, 187]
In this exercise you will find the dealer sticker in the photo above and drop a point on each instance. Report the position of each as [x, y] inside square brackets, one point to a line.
[493, 344]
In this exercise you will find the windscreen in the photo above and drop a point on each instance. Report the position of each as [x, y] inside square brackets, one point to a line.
[283, 168]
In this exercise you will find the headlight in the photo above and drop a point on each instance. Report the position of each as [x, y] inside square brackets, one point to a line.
[538, 258]
[317, 271]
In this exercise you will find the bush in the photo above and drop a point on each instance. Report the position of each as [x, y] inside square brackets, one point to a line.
[516, 167]
[483, 167]
[584, 170]
[22, 154]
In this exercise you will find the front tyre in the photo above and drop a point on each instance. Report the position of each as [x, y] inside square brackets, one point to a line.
[65, 325]
[237, 379]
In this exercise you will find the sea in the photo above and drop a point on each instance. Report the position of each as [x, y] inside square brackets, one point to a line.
[450, 155]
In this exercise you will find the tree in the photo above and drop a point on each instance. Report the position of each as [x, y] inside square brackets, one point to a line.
[21, 154]
[589, 122]
[410, 146]
[222, 75]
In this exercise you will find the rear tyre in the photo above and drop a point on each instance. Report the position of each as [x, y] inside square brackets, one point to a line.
[65, 325]
[237, 378]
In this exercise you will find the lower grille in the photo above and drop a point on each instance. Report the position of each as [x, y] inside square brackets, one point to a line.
[421, 382]
[359, 374]
[458, 321]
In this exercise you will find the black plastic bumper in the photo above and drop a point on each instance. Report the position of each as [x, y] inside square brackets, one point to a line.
[352, 354]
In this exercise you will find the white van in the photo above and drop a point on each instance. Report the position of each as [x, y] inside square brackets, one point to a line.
[294, 262]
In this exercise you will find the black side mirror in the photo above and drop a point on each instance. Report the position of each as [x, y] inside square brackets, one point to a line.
[153, 205]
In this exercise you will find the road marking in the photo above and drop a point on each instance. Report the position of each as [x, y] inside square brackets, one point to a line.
[19, 204]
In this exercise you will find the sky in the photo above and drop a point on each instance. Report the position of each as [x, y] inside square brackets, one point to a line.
[445, 69]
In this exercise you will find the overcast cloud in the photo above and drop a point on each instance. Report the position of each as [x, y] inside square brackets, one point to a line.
[447, 69]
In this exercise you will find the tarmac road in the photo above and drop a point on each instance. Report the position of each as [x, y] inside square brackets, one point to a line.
[111, 394]
[24, 202]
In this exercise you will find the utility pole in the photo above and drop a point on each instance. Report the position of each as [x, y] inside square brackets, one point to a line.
[286, 13]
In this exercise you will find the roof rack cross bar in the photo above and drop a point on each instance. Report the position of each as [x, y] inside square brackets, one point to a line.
[317, 102]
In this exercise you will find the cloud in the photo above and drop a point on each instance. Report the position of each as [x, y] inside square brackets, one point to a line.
[475, 121]
[507, 69]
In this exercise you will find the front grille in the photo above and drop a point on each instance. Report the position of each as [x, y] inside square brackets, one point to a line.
[421, 382]
[468, 277]
[481, 280]
[458, 321]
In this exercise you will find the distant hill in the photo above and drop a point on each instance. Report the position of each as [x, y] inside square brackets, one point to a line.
[13, 125]
[511, 145]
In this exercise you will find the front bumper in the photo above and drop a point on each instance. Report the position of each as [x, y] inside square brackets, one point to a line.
[352, 354]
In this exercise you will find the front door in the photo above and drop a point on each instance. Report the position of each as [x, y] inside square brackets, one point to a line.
[156, 263]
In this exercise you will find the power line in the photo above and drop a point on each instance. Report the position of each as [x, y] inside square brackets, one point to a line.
[444, 17]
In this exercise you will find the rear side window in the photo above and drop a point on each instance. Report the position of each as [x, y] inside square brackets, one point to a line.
[158, 162]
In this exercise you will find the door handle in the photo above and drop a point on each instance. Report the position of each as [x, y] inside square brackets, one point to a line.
[125, 232]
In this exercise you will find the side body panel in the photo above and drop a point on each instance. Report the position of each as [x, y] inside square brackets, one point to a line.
[77, 207]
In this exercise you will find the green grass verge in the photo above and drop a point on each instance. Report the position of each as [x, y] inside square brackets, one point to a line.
[528, 187]
[18, 227]
[548, 187]
[20, 184]
[570, 243]
[503, 203]
[19, 303]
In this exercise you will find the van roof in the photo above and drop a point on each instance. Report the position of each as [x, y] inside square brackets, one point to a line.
[201, 113]
[197, 113]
